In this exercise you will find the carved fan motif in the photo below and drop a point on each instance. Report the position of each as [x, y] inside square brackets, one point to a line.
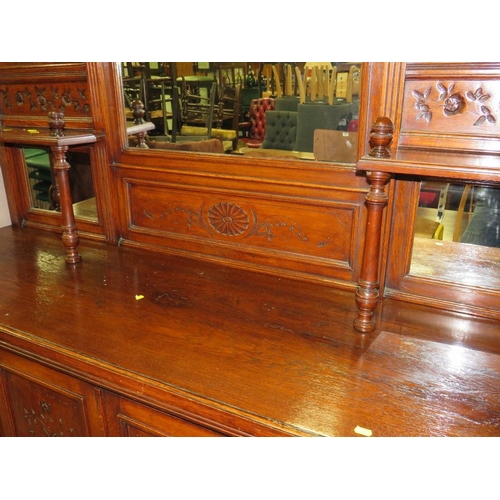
[228, 219]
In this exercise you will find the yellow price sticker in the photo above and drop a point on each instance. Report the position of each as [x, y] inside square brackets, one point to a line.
[364, 432]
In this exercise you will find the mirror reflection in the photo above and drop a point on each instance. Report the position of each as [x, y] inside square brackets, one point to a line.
[306, 110]
[457, 234]
[43, 188]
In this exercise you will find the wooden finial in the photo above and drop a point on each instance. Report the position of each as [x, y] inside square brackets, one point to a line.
[138, 112]
[56, 123]
[381, 136]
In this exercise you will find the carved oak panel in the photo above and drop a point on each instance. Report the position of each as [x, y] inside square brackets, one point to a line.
[28, 92]
[30, 99]
[40, 411]
[453, 107]
[299, 233]
[39, 402]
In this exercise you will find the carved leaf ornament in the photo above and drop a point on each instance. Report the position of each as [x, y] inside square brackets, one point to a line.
[453, 103]
[423, 108]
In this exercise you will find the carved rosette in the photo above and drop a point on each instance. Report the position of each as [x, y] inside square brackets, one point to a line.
[228, 219]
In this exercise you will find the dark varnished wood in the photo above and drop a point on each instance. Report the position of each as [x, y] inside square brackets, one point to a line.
[235, 352]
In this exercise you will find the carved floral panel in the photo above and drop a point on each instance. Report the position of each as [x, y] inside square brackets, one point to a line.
[454, 107]
[319, 229]
[30, 99]
[40, 411]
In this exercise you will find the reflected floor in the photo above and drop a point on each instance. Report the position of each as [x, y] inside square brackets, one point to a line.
[86, 209]
[457, 235]
[460, 263]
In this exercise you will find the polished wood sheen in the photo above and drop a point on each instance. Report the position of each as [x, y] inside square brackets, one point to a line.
[135, 342]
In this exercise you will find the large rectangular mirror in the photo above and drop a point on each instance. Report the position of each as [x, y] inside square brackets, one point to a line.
[303, 110]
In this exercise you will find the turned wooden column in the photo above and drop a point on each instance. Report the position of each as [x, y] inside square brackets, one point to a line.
[70, 236]
[367, 293]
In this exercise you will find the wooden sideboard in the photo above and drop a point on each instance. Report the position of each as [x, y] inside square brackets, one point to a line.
[217, 294]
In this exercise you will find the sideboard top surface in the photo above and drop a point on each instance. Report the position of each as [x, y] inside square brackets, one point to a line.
[265, 347]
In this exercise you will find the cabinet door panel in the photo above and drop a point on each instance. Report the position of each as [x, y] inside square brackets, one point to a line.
[38, 401]
[127, 418]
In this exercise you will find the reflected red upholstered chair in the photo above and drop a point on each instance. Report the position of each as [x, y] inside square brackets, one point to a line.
[256, 125]
[353, 125]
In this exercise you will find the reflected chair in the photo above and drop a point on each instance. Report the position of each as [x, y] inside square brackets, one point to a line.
[318, 115]
[153, 84]
[160, 97]
[223, 121]
[196, 114]
[40, 174]
[460, 222]
[256, 124]
[353, 83]
[133, 89]
[483, 221]
[230, 73]
[197, 81]
[317, 84]
[281, 130]
[426, 227]
[248, 94]
[227, 113]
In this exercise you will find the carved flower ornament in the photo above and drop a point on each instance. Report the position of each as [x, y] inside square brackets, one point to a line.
[228, 219]
[454, 104]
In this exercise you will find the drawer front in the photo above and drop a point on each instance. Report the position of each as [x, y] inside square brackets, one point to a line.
[127, 418]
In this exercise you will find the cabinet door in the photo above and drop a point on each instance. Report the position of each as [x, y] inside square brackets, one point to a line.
[127, 418]
[39, 401]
